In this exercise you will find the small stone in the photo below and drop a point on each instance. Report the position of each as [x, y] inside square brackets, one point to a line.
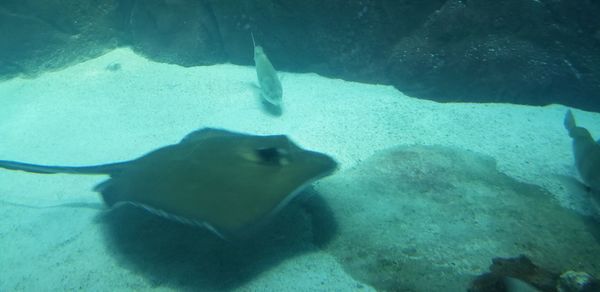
[115, 66]
[572, 281]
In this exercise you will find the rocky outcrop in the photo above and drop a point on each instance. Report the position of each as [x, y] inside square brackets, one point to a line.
[45, 35]
[344, 39]
[182, 32]
[531, 52]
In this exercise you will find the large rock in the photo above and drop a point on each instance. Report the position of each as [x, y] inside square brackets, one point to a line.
[39, 35]
[531, 52]
[176, 31]
[343, 39]
[528, 52]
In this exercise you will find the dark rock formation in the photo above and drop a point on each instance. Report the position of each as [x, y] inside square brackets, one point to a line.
[44, 35]
[344, 39]
[176, 31]
[531, 52]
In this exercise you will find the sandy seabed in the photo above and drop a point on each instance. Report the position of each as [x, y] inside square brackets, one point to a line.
[87, 114]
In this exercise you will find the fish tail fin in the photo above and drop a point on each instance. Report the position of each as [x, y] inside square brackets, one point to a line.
[109, 195]
[569, 122]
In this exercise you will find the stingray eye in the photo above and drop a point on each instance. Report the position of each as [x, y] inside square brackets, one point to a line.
[272, 155]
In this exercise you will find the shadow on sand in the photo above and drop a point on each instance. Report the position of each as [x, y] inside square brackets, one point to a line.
[188, 258]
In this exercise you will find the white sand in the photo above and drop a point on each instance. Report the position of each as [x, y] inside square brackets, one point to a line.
[87, 115]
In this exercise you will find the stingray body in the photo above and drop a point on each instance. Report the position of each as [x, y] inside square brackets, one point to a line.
[225, 181]
[270, 86]
[586, 152]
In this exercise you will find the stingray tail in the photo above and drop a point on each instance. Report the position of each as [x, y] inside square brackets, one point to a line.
[49, 169]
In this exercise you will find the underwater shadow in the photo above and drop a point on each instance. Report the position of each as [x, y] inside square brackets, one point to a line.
[593, 226]
[183, 257]
[267, 107]
[271, 109]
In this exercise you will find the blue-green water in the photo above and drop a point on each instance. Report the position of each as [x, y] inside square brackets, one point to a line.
[426, 194]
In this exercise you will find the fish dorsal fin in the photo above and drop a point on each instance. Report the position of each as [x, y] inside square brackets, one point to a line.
[259, 52]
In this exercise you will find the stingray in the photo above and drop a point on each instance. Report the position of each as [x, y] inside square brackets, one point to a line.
[225, 181]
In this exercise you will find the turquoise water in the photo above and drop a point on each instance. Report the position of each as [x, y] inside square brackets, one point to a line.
[425, 195]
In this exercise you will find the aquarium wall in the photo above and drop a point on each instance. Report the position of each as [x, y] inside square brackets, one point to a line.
[531, 52]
